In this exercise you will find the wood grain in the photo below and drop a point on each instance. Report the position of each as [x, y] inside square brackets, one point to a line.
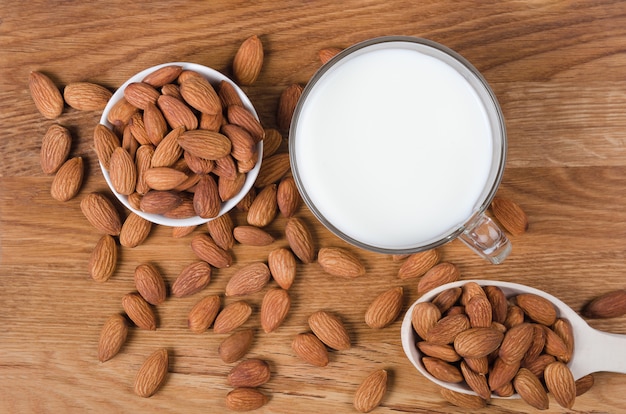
[556, 66]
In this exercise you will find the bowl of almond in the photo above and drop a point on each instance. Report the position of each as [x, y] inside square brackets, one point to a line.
[179, 144]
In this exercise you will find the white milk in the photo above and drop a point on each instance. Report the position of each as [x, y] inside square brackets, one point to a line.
[394, 148]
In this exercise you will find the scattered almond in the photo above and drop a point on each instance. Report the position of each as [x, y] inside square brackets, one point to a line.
[203, 313]
[135, 230]
[340, 262]
[245, 399]
[231, 317]
[510, 215]
[310, 349]
[371, 391]
[560, 383]
[139, 311]
[287, 105]
[300, 239]
[103, 259]
[608, 305]
[247, 280]
[330, 330]
[86, 96]
[101, 213]
[248, 61]
[112, 337]
[55, 148]
[206, 249]
[419, 263]
[235, 346]
[150, 284]
[274, 309]
[68, 180]
[252, 236]
[472, 402]
[249, 373]
[384, 310]
[438, 275]
[152, 373]
[45, 94]
[192, 279]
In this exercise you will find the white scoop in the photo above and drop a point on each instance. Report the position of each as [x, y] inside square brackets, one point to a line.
[594, 350]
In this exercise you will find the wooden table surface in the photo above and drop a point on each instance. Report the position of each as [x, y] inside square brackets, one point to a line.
[557, 67]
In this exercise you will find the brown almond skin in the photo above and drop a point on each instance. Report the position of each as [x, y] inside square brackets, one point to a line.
[192, 279]
[501, 373]
[537, 308]
[371, 391]
[55, 148]
[248, 61]
[384, 309]
[498, 302]
[68, 180]
[249, 279]
[340, 262]
[272, 142]
[206, 198]
[152, 373]
[442, 370]
[206, 249]
[139, 311]
[249, 373]
[203, 313]
[231, 317]
[135, 230]
[274, 309]
[287, 104]
[282, 264]
[447, 328]
[479, 312]
[252, 236]
[101, 213]
[46, 96]
[424, 317]
[239, 115]
[310, 349]
[477, 382]
[560, 383]
[235, 346]
[272, 169]
[86, 96]
[221, 231]
[530, 389]
[160, 202]
[327, 54]
[264, 208]
[105, 141]
[419, 263]
[150, 284]
[608, 305]
[112, 337]
[200, 94]
[300, 240]
[477, 342]
[288, 197]
[516, 343]
[103, 259]
[438, 275]
[472, 402]
[510, 215]
[584, 384]
[162, 76]
[444, 352]
[330, 330]
[245, 399]
[446, 299]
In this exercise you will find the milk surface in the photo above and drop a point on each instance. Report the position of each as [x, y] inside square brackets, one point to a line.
[394, 148]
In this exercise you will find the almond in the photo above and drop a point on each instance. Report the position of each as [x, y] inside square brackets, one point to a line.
[537, 344]
[134, 231]
[516, 343]
[563, 328]
[272, 170]
[137, 128]
[230, 187]
[537, 308]
[121, 112]
[205, 144]
[274, 309]
[514, 316]
[248, 61]
[243, 145]
[192, 279]
[163, 75]
[249, 373]
[168, 151]
[252, 236]
[264, 208]
[272, 142]
[340, 262]
[152, 373]
[231, 317]
[245, 399]
[228, 94]
[287, 104]
[506, 390]
[300, 239]
[584, 384]
[555, 346]
[177, 113]
[501, 373]
[163, 178]
[249, 279]
[282, 264]
[55, 148]
[68, 180]
[246, 201]
[560, 383]
[530, 389]
[477, 382]
[498, 302]
[446, 299]
[103, 259]
[371, 391]
[468, 401]
[200, 94]
[150, 284]
[310, 349]
[330, 330]
[239, 115]
[154, 123]
[477, 342]
[419, 263]
[221, 231]
[160, 202]
[479, 312]
[469, 290]
[122, 171]
[287, 197]
[101, 213]
[510, 215]
[141, 94]
[206, 249]
[384, 310]
[112, 337]
[327, 54]
[443, 352]
[180, 232]
[45, 94]
[139, 311]
[203, 313]
[478, 365]
[86, 96]
[442, 370]
[608, 305]
[539, 364]
[143, 161]
[206, 198]
[425, 316]
[438, 275]
[447, 328]
[236, 345]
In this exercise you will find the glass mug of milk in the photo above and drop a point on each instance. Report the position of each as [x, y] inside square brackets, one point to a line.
[398, 145]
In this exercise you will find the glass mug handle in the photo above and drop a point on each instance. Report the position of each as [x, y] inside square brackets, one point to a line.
[484, 236]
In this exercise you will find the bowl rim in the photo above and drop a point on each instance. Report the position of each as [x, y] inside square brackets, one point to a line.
[214, 77]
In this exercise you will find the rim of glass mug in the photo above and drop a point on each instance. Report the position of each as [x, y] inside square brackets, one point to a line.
[477, 218]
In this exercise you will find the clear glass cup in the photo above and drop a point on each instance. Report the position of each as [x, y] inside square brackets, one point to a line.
[398, 145]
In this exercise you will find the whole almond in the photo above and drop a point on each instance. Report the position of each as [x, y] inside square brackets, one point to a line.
[248, 61]
[442, 370]
[152, 373]
[479, 312]
[245, 399]
[506, 390]
[121, 112]
[272, 170]
[192, 279]
[135, 230]
[287, 104]
[327, 54]
[438, 275]
[537, 308]
[252, 236]
[249, 373]
[243, 145]
[501, 373]
[177, 113]
[122, 171]
[55, 148]
[239, 115]
[168, 151]
[498, 302]
[300, 240]
[514, 316]
[516, 342]
[371, 391]
[536, 346]
[180, 232]
[446, 299]
[232, 316]
[340, 262]
[235, 346]
[141, 94]
[139, 311]
[150, 284]
[425, 315]
[477, 382]
[443, 352]
[274, 309]
[68, 180]
[154, 123]
[560, 383]
[530, 389]
[228, 94]
[282, 264]
[555, 346]
[229, 187]
[469, 290]
[160, 202]
[112, 337]
[447, 328]
[477, 342]
[272, 142]
[264, 208]
[247, 280]
[45, 94]
[584, 384]
[143, 161]
[86, 96]
[209, 145]
[310, 349]
[384, 309]
[563, 328]
[419, 263]
[287, 197]
[163, 178]
[101, 213]
[510, 215]
[203, 313]
[538, 365]
[330, 330]
[608, 305]
[462, 400]
[103, 259]
[163, 75]
[221, 231]
[206, 249]
[200, 94]
[206, 198]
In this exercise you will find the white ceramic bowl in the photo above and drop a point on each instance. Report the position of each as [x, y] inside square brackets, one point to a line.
[215, 78]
